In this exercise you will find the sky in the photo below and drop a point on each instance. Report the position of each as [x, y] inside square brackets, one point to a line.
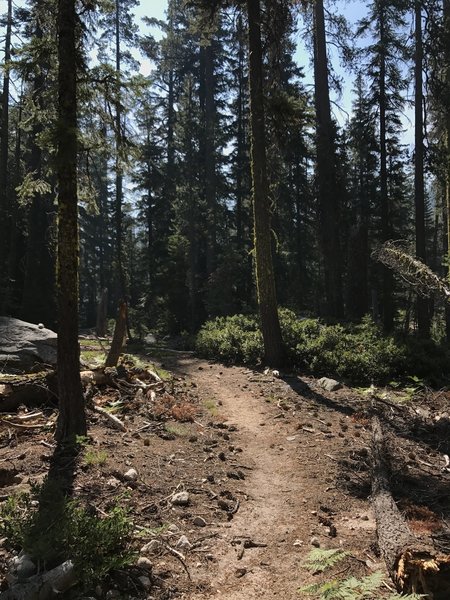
[152, 8]
[352, 9]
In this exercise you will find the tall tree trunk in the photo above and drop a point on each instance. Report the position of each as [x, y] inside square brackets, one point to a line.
[265, 280]
[71, 418]
[123, 279]
[386, 234]
[4, 147]
[326, 171]
[423, 319]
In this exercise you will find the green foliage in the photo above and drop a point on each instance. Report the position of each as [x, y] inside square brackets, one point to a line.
[235, 339]
[93, 458]
[31, 187]
[319, 560]
[347, 589]
[355, 353]
[352, 588]
[52, 528]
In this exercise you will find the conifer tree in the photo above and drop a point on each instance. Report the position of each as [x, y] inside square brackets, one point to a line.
[385, 22]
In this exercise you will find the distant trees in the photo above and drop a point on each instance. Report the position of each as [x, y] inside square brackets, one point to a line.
[169, 164]
[385, 23]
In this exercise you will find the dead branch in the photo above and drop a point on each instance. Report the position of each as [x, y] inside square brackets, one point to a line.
[412, 270]
[115, 422]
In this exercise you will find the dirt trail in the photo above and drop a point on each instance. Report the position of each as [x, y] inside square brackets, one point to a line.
[286, 482]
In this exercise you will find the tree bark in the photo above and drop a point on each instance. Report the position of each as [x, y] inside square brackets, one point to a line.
[102, 314]
[265, 280]
[71, 418]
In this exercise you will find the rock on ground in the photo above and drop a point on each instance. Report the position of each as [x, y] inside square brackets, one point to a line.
[331, 385]
[22, 345]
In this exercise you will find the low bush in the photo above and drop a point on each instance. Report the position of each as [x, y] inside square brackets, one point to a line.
[52, 528]
[356, 353]
[231, 339]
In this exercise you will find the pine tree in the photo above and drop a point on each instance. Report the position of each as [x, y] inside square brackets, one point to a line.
[385, 23]
[363, 185]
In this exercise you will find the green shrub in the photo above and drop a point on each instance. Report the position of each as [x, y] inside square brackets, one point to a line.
[356, 353]
[234, 339]
[52, 528]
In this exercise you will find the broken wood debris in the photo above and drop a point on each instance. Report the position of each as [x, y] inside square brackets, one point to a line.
[115, 421]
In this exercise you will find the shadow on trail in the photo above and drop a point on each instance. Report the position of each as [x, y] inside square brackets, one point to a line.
[50, 522]
[303, 389]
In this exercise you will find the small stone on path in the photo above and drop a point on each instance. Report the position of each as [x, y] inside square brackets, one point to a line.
[144, 563]
[184, 543]
[131, 475]
[180, 499]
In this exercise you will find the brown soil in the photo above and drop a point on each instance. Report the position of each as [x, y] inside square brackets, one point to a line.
[272, 465]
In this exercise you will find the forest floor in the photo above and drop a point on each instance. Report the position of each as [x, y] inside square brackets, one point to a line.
[273, 467]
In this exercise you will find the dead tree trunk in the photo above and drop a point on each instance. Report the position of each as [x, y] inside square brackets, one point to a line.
[118, 341]
[414, 566]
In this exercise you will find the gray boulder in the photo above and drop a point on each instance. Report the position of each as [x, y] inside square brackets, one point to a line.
[23, 345]
[331, 385]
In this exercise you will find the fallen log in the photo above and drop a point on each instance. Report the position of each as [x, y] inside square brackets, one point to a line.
[34, 391]
[43, 390]
[414, 565]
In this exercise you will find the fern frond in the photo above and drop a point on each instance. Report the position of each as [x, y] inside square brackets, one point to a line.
[318, 560]
[353, 588]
